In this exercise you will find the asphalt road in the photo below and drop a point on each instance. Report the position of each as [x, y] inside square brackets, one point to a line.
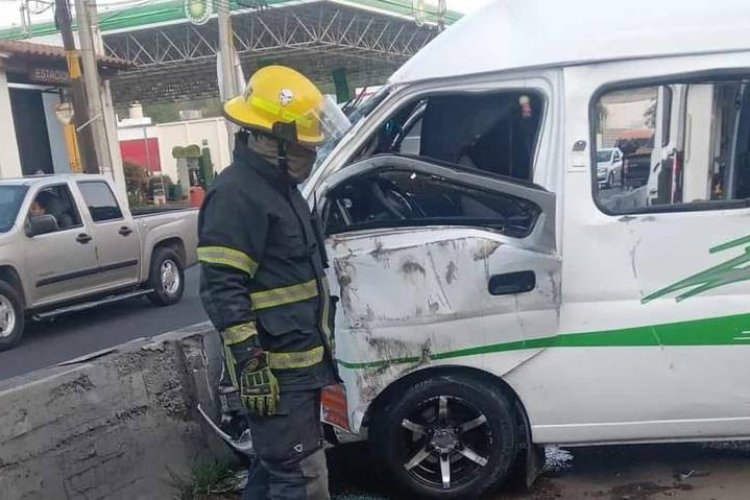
[68, 337]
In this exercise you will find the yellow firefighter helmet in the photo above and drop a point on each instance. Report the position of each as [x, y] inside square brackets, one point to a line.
[277, 97]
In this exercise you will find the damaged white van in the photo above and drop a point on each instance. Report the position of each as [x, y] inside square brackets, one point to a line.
[493, 297]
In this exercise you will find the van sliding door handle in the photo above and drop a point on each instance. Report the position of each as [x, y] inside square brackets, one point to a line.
[512, 283]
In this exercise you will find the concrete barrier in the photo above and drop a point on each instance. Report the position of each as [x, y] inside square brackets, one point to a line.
[118, 424]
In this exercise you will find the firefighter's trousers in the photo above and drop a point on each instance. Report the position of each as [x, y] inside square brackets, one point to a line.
[291, 463]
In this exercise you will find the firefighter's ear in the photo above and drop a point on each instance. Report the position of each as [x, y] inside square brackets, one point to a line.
[285, 131]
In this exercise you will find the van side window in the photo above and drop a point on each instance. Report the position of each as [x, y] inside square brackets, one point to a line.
[397, 198]
[685, 147]
[100, 200]
[495, 131]
[57, 202]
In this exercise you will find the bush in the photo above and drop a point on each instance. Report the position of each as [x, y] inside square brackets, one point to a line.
[136, 182]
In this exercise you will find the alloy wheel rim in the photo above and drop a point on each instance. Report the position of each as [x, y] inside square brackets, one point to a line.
[7, 317]
[447, 442]
[170, 277]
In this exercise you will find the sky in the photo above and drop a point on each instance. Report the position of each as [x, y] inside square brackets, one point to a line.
[10, 14]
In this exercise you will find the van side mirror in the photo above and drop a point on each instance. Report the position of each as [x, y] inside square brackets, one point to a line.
[41, 224]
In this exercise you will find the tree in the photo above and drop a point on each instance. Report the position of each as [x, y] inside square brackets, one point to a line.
[649, 116]
[601, 116]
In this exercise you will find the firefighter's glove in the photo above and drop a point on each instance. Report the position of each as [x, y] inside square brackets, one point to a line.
[259, 389]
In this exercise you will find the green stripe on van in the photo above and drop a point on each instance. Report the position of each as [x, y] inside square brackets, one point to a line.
[727, 330]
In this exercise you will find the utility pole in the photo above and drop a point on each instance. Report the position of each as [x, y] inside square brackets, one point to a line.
[92, 84]
[228, 83]
[226, 43]
[87, 151]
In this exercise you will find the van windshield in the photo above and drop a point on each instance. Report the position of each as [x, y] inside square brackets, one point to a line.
[11, 198]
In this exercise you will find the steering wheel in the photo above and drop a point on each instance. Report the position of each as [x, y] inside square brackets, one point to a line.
[395, 203]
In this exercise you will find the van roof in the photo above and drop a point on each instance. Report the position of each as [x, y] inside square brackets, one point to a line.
[517, 34]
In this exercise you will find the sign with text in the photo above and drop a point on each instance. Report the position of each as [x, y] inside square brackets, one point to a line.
[49, 76]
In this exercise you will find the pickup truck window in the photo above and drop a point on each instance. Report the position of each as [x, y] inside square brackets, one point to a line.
[11, 198]
[100, 200]
[56, 201]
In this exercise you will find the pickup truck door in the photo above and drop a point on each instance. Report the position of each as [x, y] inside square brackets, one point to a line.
[62, 264]
[117, 241]
[432, 265]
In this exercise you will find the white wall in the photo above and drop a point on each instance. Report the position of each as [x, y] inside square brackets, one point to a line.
[136, 132]
[56, 134]
[185, 133]
[10, 159]
[627, 115]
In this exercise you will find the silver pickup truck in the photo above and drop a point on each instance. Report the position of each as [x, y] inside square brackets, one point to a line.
[68, 244]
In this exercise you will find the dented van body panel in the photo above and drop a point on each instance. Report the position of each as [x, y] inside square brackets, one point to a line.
[405, 297]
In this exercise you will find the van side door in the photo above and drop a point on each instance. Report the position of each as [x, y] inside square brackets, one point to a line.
[655, 284]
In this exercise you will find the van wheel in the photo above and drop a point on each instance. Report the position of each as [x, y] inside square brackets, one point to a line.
[447, 437]
[166, 277]
[12, 318]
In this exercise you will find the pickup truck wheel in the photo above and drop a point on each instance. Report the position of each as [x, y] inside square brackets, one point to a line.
[12, 319]
[447, 437]
[167, 277]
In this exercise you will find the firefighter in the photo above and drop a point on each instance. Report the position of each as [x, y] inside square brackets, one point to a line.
[263, 284]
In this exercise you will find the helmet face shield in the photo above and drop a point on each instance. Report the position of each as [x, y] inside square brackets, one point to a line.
[326, 121]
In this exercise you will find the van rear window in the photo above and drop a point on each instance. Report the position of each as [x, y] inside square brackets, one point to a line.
[685, 146]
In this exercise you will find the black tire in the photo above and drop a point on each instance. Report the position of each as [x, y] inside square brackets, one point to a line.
[466, 399]
[11, 310]
[166, 292]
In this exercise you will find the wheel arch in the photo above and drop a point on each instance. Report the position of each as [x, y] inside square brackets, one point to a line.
[382, 401]
[175, 243]
[11, 276]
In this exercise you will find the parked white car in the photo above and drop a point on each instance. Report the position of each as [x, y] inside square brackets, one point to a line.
[609, 167]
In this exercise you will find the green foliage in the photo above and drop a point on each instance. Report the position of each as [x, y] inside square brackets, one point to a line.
[211, 477]
[136, 183]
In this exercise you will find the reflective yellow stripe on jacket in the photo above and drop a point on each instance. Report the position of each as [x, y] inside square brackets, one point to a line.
[228, 257]
[295, 360]
[239, 333]
[285, 295]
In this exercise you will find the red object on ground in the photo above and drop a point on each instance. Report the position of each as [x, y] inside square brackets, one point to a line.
[197, 194]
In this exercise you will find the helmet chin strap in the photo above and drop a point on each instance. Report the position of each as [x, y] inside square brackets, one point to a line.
[282, 159]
